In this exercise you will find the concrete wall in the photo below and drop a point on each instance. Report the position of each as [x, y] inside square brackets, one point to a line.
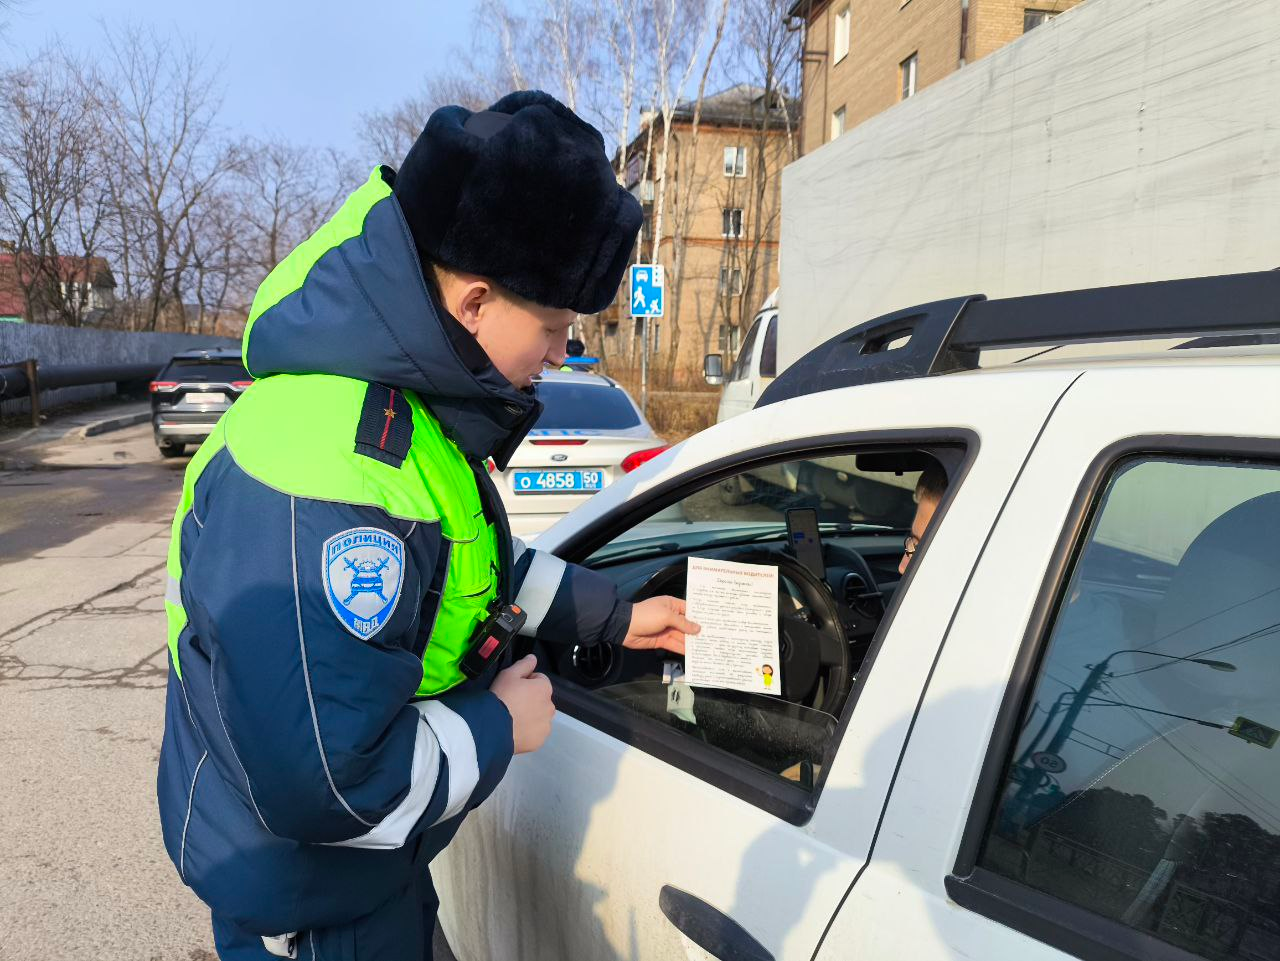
[1124, 141]
[54, 346]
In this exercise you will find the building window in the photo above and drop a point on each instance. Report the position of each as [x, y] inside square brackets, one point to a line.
[731, 222]
[735, 161]
[730, 281]
[908, 69]
[1033, 18]
[841, 44]
[837, 123]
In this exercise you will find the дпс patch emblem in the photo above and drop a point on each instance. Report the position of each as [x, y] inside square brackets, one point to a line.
[363, 571]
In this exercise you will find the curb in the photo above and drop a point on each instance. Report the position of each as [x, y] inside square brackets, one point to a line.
[114, 423]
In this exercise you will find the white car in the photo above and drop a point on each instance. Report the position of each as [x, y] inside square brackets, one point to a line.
[753, 369]
[590, 433]
[1054, 737]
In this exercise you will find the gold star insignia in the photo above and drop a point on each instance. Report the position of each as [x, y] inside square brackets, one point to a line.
[389, 412]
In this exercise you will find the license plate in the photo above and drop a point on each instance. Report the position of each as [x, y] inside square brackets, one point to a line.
[557, 481]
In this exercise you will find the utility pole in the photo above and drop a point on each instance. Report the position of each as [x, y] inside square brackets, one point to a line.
[1095, 677]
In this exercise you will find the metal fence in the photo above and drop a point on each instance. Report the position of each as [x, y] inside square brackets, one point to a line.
[109, 351]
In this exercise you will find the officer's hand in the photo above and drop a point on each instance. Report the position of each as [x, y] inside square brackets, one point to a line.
[527, 697]
[659, 622]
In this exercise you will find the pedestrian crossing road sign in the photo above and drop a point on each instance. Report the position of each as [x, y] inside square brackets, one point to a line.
[1255, 732]
[647, 288]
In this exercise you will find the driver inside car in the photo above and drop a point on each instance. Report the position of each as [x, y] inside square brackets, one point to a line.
[930, 489]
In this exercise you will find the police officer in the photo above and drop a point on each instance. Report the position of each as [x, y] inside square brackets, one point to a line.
[340, 562]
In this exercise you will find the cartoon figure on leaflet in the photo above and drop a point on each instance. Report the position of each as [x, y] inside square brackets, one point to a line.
[766, 672]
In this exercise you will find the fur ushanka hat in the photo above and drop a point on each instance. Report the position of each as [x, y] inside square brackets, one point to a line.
[521, 193]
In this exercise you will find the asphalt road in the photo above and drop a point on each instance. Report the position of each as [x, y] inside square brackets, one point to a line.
[80, 484]
[84, 527]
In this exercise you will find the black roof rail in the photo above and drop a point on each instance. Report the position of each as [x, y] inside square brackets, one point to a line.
[946, 335]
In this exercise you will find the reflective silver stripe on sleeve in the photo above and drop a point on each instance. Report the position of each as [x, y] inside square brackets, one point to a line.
[424, 772]
[518, 547]
[281, 945]
[173, 591]
[455, 740]
[541, 582]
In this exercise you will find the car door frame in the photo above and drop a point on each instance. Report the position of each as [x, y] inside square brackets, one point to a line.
[788, 802]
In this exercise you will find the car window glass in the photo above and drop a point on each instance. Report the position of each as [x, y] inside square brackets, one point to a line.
[769, 352]
[222, 371]
[1145, 783]
[584, 407]
[864, 507]
[742, 366]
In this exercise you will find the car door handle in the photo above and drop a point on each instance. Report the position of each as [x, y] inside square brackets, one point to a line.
[710, 929]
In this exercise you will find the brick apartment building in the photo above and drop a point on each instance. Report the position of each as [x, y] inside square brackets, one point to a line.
[721, 219]
[863, 56]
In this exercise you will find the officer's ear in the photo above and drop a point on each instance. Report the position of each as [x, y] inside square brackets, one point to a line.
[467, 297]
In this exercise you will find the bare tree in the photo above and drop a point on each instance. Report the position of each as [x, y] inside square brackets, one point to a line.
[285, 193]
[681, 28]
[219, 266]
[389, 134]
[512, 34]
[158, 106]
[765, 56]
[49, 197]
[621, 40]
[687, 193]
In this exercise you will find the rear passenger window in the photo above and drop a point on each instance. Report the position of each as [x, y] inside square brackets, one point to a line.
[585, 407]
[216, 371]
[1145, 783]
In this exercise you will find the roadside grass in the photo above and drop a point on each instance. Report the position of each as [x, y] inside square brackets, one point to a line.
[675, 414]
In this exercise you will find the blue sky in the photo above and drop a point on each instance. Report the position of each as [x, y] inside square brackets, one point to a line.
[302, 70]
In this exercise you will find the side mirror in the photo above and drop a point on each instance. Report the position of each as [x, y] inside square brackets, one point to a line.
[713, 369]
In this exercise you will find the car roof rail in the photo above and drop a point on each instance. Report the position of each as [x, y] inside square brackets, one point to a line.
[947, 335]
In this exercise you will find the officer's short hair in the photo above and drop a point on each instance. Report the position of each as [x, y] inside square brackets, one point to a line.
[432, 271]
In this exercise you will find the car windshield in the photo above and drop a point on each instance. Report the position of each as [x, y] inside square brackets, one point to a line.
[848, 494]
[221, 371]
[577, 406]
[669, 537]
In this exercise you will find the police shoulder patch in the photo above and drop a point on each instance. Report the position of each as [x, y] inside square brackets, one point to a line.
[363, 571]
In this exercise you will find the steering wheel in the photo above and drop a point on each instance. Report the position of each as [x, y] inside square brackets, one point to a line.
[813, 649]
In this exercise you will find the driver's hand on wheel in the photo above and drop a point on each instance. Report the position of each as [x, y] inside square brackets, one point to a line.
[659, 622]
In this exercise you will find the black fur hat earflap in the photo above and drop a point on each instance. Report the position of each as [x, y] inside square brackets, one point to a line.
[524, 194]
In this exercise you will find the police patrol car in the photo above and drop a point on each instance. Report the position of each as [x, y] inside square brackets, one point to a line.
[590, 434]
[1053, 737]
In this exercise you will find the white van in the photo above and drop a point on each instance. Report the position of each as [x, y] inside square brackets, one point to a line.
[754, 368]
